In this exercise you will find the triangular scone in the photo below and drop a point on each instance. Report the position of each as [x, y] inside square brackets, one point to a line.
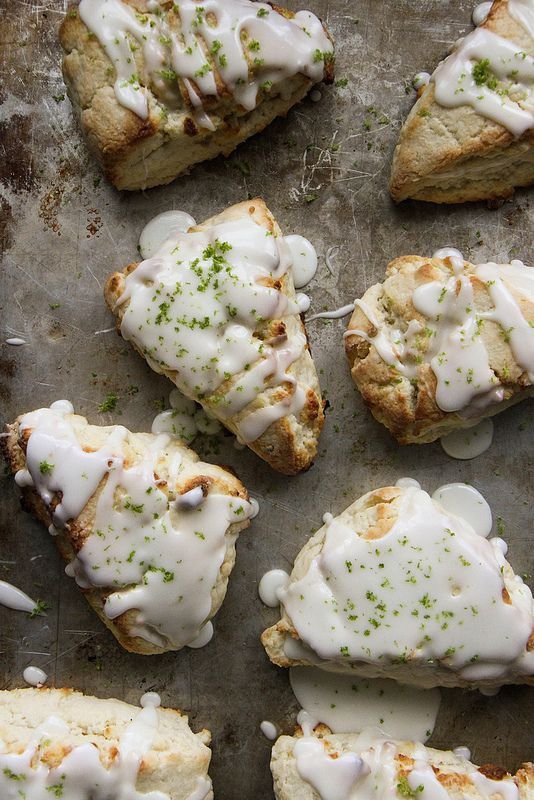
[442, 343]
[215, 311]
[61, 743]
[470, 135]
[159, 87]
[375, 768]
[148, 530]
[397, 587]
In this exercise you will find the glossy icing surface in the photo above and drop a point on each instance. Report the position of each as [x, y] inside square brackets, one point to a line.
[158, 556]
[193, 310]
[428, 589]
[249, 47]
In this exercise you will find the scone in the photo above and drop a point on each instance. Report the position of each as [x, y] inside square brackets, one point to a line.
[61, 743]
[470, 135]
[308, 767]
[160, 86]
[398, 587]
[442, 343]
[148, 530]
[215, 311]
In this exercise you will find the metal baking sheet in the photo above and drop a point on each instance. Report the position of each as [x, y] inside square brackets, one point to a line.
[324, 173]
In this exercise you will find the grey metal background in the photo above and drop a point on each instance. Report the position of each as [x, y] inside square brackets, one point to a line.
[323, 171]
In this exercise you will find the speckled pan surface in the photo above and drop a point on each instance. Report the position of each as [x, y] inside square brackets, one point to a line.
[324, 173]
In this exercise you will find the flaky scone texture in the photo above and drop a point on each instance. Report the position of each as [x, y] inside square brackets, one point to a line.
[289, 445]
[371, 517]
[407, 407]
[452, 771]
[455, 155]
[70, 540]
[172, 765]
[140, 153]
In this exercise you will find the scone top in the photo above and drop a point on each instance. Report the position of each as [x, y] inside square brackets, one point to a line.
[213, 48]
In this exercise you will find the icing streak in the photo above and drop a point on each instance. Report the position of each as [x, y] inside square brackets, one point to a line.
[80, 775]
[199, 310]
[451, 338]
[153, 554]
[427, 590]
[212, 48]
[344, 768]
[492, 75]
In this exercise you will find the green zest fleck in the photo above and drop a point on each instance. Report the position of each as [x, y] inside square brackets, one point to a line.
[13, 776]
[262, 13]
[404, 788]
[483, 75]
[137, 509]
[45, 468]
[168, 74]
[109, 404]
[39, 608]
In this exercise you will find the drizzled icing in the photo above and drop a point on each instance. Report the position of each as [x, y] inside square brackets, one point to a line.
[492, 75]
[471, 442]
[451, 340]
[194, 308]
[159, 556]
[481, 11]
[346, 768]
[80, 775]
[427, 590]
[14, 598]
[347, 704]
[248, 46]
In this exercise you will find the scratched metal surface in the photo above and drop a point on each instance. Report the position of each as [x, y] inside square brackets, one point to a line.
[324, 173]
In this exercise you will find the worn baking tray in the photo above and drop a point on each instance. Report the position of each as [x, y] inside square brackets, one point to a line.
[324, 172]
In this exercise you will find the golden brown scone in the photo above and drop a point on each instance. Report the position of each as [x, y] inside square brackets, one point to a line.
[179, 116]
[139, 519]
[389, 763]
[286, 403]
[63, 741]
[455, 155]
[398, 587]
[404, 391]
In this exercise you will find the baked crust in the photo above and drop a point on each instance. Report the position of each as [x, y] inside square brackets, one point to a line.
[138, 154]
[408, 408]
[172, 765]
[70, 540]
[450, 770]
[371, 517]
[455, 155]
[289, 445]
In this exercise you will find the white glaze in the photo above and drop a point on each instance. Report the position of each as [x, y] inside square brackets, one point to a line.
[338, 313]
[407, 483]
[304, 259]
[523, 13]
[168, 554]
[269, 730]
[15, 341]
[193, 309]
[204, 637]
[480, 12]
[150, 699]
[421, 79]
[157, 231]
[462, 752]
[175, 423]
[431, 579]
[34, 676]
[511, 103]
[370, 769]
[463, 500]
[351, 705]
[252, 47]
[80, 774]
[203, 789]
[467, 443]
[303, 302]
[270, 585]
[14, 598]
[450, 339]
